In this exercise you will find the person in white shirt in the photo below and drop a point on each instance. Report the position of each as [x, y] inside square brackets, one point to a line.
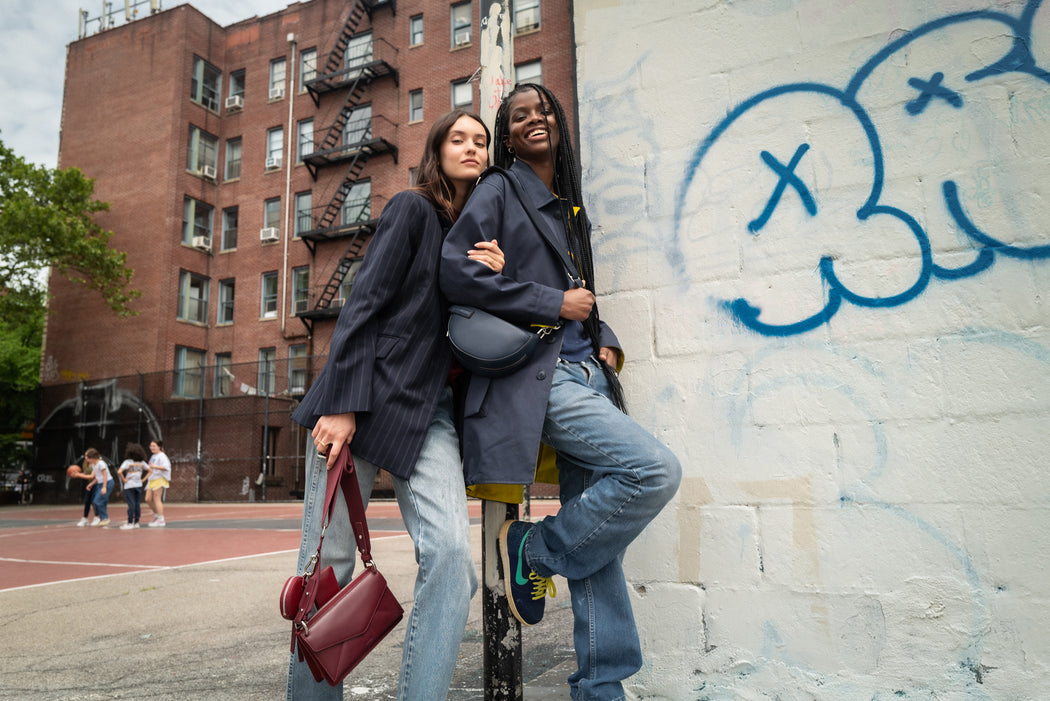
[101, 477]
[157, 480]
[131, 472]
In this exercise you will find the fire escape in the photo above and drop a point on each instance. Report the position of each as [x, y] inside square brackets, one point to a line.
[356, 61]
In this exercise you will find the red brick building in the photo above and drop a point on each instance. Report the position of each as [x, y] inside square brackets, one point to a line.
[246, 166]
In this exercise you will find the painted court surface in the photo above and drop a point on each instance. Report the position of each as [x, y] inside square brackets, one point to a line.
[42, 544]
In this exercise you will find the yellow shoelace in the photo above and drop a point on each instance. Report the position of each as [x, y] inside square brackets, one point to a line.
[541, 586]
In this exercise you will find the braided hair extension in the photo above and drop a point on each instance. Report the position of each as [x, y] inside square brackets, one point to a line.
[566, 186]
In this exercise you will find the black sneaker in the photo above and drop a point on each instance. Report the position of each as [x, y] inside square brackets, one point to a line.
[526, 590]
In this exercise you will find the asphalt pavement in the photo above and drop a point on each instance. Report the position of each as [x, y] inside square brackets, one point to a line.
[213, 631]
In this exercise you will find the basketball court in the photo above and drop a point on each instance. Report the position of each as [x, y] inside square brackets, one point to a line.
[42, 544]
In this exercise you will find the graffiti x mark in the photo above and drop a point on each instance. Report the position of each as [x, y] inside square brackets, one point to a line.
[929, 90]
[787, 177]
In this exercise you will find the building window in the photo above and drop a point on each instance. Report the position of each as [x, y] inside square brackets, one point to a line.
[415, 106]
[357, 207]
[358, 51]
[269, 295]
[206, 84]
[347, 283]
[307, 67]
[531, 72]
[272, 213]
[202, 153]
[225, 314]
[306, 139]
[233, 159]
[297, 368]
[463, 95]
[300, 289]
[237, 83]
[461, 24]
[303, 213]
[196, 220]
[223, 374]
[358, 125]
[267, 370]
[193, 298]
[415, 30]
[277, 71]
[229, 229]
[189, 372]
[526, 15]
[274, 147]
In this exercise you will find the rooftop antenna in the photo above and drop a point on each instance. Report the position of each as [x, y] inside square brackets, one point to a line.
[107, 18]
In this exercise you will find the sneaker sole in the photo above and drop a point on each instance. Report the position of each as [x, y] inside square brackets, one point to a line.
[507, 574]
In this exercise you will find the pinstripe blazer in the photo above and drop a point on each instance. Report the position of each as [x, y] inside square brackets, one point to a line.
[389, 358]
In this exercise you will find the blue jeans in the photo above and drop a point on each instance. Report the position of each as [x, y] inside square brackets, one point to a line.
[433, 505]
[615, 478]
[134, 497]
[101, 501]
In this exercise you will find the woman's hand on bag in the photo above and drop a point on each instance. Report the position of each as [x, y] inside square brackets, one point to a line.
[576, 304]
[489, 253]
[334, 430]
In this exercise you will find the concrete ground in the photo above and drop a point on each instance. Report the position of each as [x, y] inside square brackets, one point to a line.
[210, 630]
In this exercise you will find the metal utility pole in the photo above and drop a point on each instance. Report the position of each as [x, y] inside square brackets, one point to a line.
[501, 631]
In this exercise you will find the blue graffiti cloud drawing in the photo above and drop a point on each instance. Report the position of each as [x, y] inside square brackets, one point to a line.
[772, 188]
[970, 142]
[930, 163]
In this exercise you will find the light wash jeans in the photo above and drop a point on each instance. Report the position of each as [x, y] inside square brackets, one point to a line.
[433, 506]
[615, 478]
[101, 501]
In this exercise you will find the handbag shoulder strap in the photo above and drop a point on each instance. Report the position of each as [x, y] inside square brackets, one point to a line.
[343, 474]
[541, 226]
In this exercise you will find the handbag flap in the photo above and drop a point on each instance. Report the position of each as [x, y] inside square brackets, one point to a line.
[351, 612]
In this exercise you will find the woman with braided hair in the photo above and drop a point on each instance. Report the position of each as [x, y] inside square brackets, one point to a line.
[615, 477]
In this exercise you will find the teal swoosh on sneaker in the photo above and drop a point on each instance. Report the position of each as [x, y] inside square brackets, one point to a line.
[518, 578]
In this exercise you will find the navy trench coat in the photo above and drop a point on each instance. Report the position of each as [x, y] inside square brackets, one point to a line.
[503, 417]
[389, 358]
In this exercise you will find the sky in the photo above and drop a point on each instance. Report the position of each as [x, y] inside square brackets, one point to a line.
[33, 40]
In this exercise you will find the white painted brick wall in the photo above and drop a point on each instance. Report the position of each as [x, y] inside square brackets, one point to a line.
[865, 511]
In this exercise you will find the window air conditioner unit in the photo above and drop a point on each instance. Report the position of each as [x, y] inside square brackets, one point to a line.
[269, 234]
[202, 242]
[462, 39]
[276, 93]
[234, 102]
[207, 172]
[273, 162]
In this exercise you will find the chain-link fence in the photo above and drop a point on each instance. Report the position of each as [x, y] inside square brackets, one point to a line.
[226, 429]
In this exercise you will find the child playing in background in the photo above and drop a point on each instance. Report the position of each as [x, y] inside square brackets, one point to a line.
[131, 471]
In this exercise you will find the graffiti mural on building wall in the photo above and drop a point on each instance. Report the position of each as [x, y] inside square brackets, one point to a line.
[922, 165]
[944, 129]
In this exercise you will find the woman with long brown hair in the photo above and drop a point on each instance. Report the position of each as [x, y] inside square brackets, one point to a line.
[384, 391]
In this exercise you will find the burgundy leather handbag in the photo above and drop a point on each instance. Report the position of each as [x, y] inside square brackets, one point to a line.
[347, 624]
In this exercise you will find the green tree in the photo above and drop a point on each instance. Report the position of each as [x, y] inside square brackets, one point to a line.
[46, 220]
[21, 335]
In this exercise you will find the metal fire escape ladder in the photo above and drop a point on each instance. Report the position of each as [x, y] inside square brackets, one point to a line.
[335, 58]
[332, 74]
[332, 140]
[323, 309]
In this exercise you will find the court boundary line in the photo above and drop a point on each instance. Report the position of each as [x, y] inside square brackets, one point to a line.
[138, 569]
